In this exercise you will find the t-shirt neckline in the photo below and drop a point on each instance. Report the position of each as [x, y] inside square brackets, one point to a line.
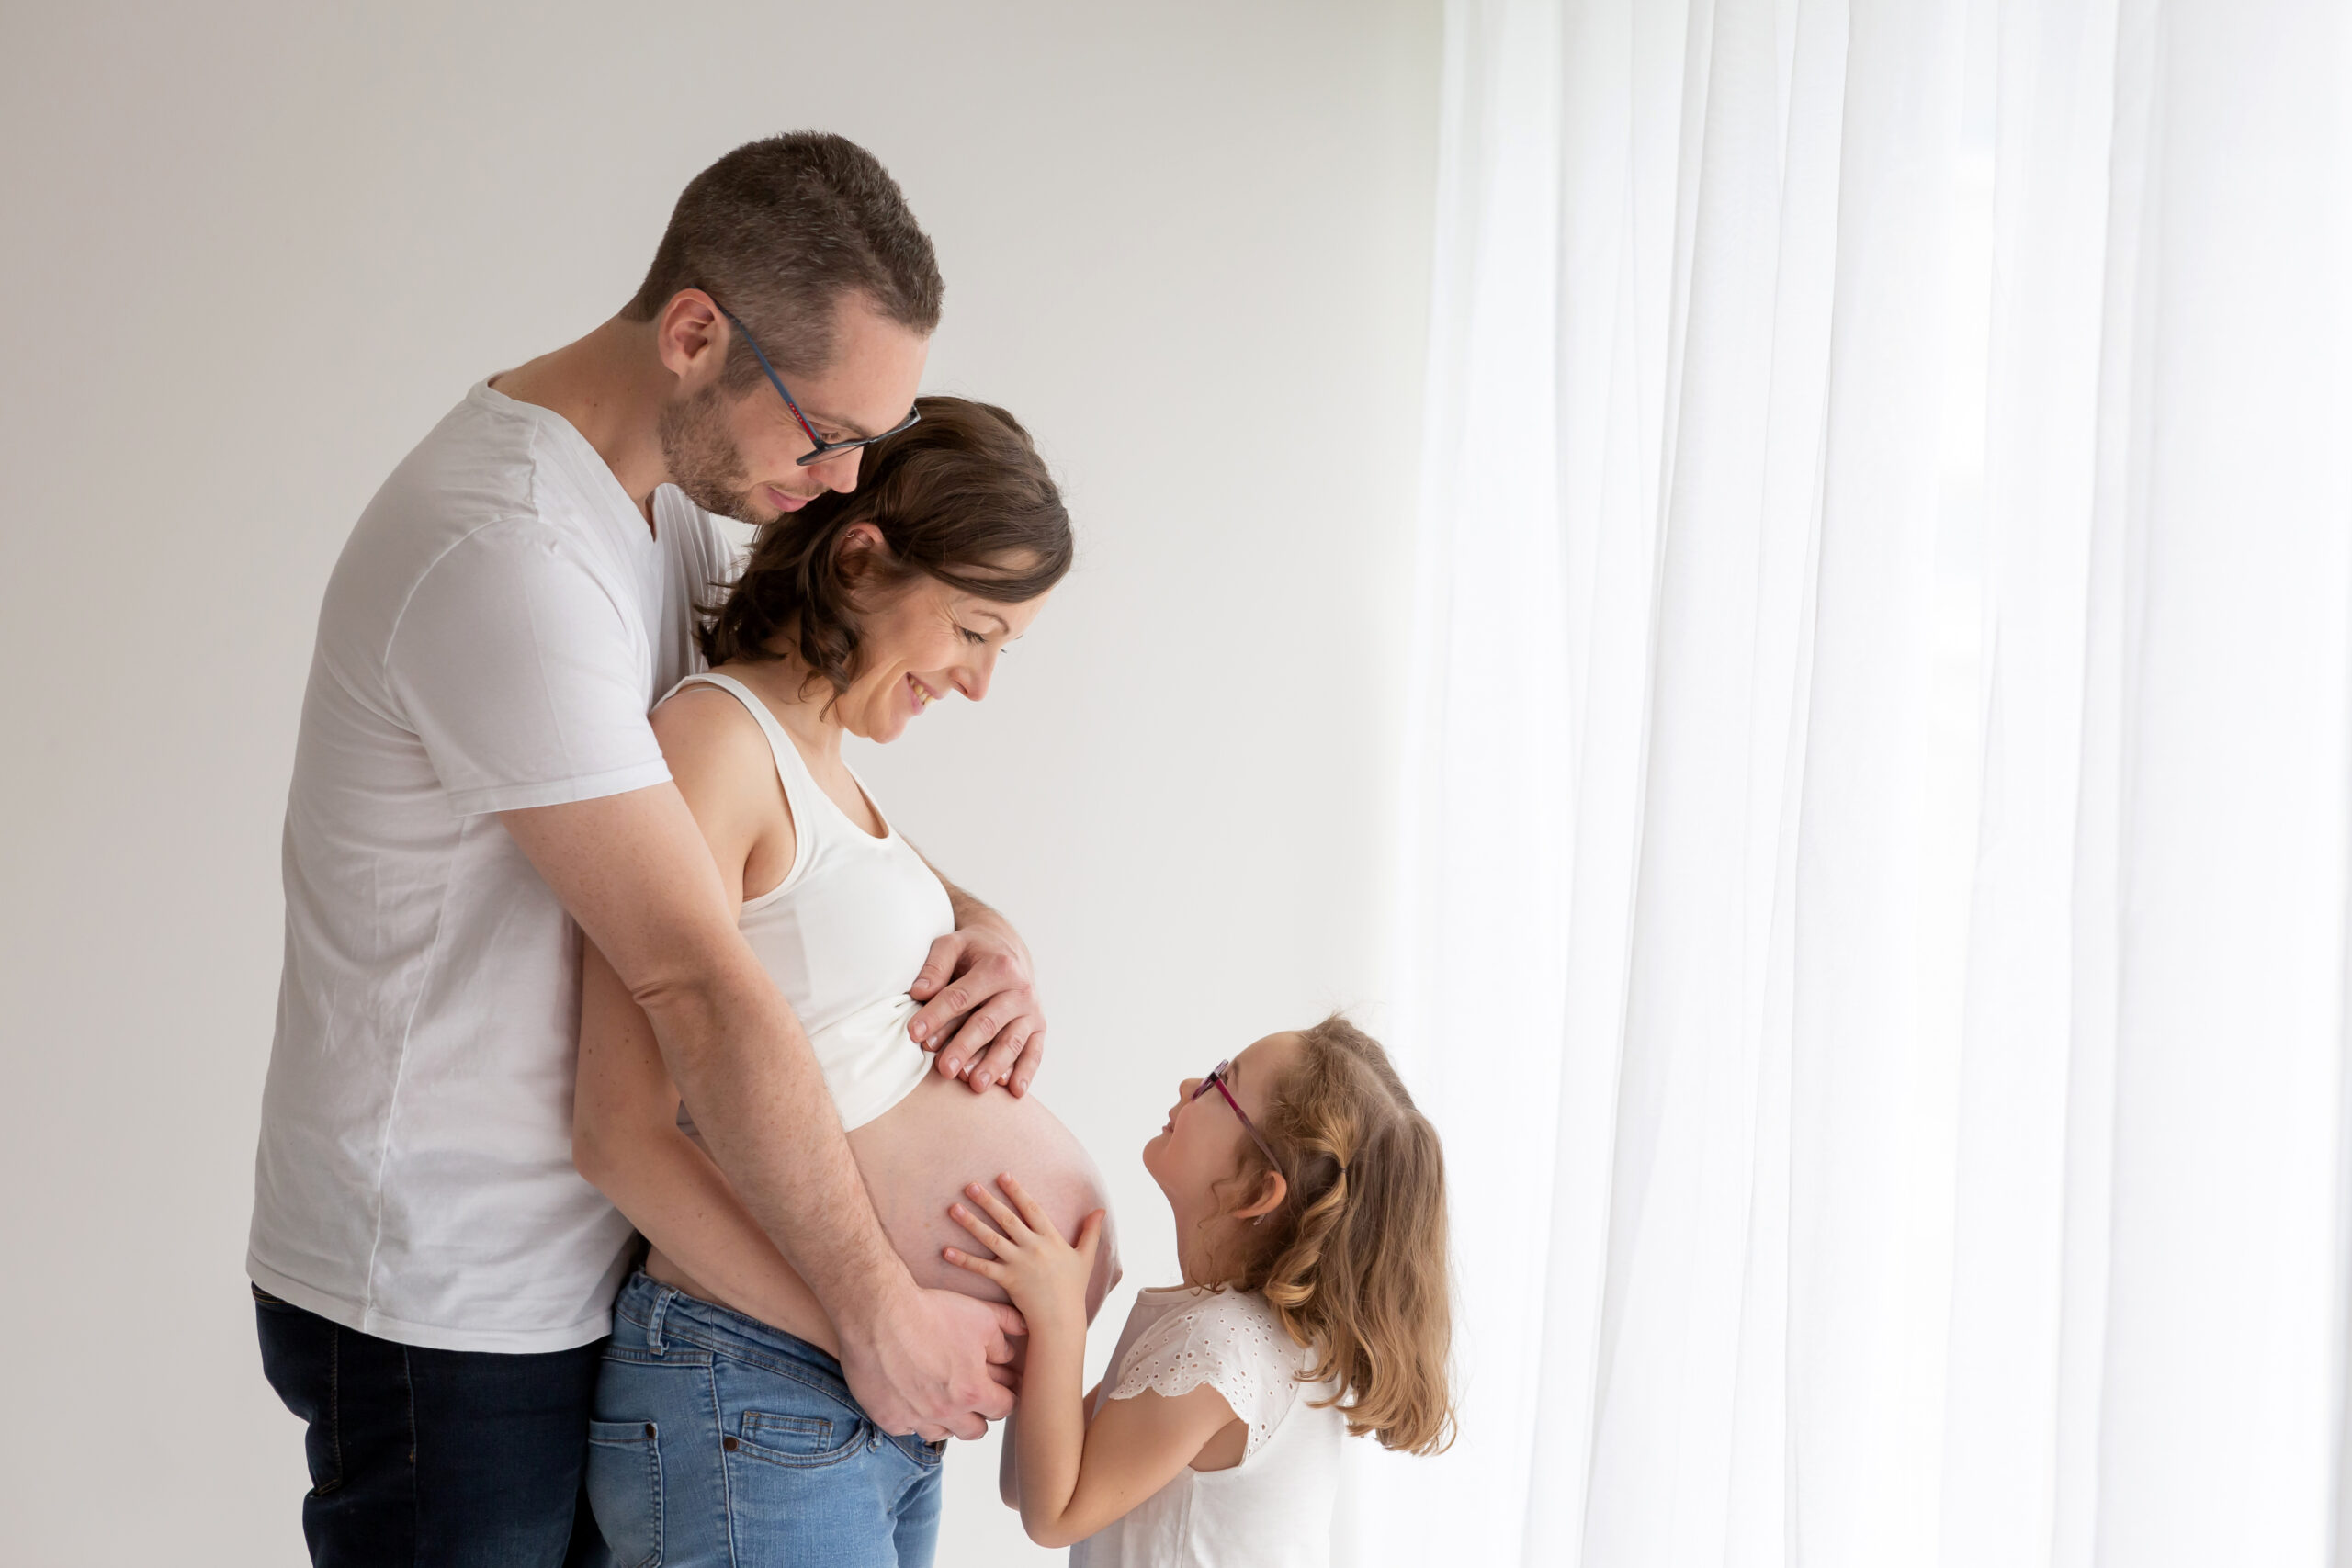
[584, 451]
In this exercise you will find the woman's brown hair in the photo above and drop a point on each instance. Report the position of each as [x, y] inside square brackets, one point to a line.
[960, 496]
[1355, 1258]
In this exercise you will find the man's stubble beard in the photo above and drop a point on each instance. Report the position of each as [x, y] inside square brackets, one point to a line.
[704, 461]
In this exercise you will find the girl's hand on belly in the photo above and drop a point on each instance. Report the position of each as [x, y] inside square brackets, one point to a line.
[917, 1156]
[1045, 1275]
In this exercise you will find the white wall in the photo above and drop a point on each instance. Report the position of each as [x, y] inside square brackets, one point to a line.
[248, 253]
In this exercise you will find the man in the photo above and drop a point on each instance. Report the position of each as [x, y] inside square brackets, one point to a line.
[475, 774]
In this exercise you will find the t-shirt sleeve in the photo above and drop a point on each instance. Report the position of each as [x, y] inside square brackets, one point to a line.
[1232, 1342]
[522, 677]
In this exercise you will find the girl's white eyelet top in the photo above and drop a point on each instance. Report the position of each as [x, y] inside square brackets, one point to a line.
[1274, 1509]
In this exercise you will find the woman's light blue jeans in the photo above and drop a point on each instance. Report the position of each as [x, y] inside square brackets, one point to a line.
[720, 1440]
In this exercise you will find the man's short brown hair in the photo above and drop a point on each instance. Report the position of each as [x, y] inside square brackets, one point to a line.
[778, 232]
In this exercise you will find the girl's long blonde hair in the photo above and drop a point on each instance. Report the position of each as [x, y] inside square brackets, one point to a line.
[1355, 1260]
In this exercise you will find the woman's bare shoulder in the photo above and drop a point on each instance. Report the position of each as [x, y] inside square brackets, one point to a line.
[707, 722]
[716, 749]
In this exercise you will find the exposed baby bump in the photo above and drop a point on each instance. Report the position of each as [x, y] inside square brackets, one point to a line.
[917, 1156]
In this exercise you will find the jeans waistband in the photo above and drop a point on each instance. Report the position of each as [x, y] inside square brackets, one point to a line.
[666, 1312]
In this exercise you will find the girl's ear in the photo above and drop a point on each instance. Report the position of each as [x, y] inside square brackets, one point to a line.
[1272, 1190]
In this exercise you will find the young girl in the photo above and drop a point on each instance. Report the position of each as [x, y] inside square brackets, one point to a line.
[1310, 1200]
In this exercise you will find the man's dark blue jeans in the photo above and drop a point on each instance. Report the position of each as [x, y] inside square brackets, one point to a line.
[454, 1458]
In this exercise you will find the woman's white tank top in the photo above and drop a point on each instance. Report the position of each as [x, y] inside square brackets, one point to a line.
[845, 932]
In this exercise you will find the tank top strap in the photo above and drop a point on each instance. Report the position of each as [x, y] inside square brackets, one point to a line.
[802, 791]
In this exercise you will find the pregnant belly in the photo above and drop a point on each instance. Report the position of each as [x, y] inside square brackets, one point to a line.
[915, 1158]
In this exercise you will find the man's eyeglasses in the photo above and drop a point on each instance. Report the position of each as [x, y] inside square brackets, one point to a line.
[821, 449]
[1215, 1079]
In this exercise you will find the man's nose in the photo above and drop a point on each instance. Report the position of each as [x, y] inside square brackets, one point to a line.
[839, 473]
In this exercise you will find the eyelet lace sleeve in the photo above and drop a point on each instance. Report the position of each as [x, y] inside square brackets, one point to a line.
[1232, 1342]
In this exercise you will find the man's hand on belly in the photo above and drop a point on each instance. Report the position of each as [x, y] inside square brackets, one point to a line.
[937, 1364]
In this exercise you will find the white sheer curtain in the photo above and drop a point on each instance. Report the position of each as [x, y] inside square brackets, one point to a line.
[1878, 833]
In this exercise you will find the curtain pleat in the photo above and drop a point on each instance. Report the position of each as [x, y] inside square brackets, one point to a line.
[1885, 1128]
[2029, 1222]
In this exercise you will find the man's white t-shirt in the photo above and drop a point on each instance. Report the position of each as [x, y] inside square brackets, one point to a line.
[496, 631]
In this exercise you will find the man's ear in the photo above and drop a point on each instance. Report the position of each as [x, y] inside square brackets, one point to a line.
[692, 337]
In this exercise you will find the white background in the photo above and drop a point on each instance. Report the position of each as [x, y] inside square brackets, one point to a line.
[248, 254]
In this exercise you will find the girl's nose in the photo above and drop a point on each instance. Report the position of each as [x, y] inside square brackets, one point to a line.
[1188, 1088]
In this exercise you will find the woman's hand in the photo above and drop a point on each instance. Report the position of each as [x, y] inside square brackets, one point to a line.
[980, 1011]
[1044, 1275]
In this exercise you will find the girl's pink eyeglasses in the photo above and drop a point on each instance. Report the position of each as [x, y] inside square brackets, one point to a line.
[1215, 1078]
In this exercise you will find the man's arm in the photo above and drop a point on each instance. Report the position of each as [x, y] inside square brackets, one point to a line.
[626, 1140]
[979, 994]
[634, 871]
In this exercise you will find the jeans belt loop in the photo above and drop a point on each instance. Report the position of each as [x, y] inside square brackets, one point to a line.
[662, 1299]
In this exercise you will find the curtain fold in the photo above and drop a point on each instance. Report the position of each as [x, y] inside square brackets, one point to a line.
[1875, 842]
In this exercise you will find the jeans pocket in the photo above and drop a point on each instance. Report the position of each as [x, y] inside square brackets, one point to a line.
[625, 1490]
[801, 1442]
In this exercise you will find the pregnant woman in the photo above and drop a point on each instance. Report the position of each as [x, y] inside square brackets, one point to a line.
[724, 1431]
